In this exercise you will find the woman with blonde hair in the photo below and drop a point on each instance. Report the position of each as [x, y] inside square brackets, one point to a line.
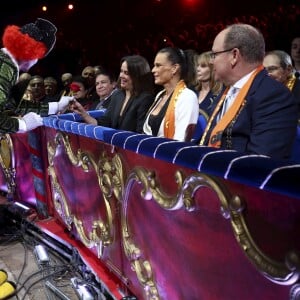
[207, 88]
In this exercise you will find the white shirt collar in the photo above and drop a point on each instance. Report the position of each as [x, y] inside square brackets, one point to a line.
[240, 83]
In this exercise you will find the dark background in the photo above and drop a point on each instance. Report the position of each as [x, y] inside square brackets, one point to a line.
[102, 31]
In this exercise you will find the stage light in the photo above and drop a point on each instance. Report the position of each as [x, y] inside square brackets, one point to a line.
[44, 8]
[70, 6]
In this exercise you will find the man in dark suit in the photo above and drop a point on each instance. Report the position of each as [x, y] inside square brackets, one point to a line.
[256, 114]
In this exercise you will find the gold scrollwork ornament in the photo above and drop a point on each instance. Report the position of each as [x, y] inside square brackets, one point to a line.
[7, 163]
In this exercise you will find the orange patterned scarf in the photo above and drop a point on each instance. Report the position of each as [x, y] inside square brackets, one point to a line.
[169, 125]
[216, 134]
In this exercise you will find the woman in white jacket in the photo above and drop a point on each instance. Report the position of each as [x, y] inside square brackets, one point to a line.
[175, 111]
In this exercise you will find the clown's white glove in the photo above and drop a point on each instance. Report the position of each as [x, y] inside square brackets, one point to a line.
[64, 102]
[30, 121]
[60, 106]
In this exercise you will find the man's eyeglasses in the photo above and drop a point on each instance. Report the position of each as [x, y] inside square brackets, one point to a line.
[271, 69]
[214, 54]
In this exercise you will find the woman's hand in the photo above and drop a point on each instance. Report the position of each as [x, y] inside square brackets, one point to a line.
[77, 108]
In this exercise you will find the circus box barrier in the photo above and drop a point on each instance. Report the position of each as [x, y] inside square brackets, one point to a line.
[169, 220]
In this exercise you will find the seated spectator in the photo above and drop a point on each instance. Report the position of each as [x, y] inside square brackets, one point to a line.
[79, 88]
[258, 115]
[105, 87]
[27, 95]
[191, 56]
[66, 79]
[207, 88]
[130, 103]
[51, 88]
[279, 66]
[89, 74]
[37, 89]
[24, 76]
[98, 69]
[174, 113]
[295, 54]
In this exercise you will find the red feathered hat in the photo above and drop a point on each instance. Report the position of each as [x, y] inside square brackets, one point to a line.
[32, 41]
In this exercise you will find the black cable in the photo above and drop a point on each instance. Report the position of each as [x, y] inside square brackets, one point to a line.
[69, 270]
[24, 263]
[31, 276]
[11, 238]
[39, 280]
[57, 260]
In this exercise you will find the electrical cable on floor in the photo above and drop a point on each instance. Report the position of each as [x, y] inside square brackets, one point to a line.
[21, 235]
[55, 274]
[39, 272]
[13, 237]
[37, 281]
[24, 264]
[29, 243]
[24, 244]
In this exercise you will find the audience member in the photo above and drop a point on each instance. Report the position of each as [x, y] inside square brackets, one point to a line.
[51, 88]
[105, 87]
[207, 88]
[130, 103]
[174, 112]
[191, 57]
[259, 115]
[24, 76]
[23, 47]
[35, 91]
[295, 54]
[89, 74]
[66, 79]
[98, 69]
[27, 95]
[280, 67]
[278, 25]
[79, 88]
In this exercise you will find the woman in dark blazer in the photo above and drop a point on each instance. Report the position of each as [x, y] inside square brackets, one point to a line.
[130, 103]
